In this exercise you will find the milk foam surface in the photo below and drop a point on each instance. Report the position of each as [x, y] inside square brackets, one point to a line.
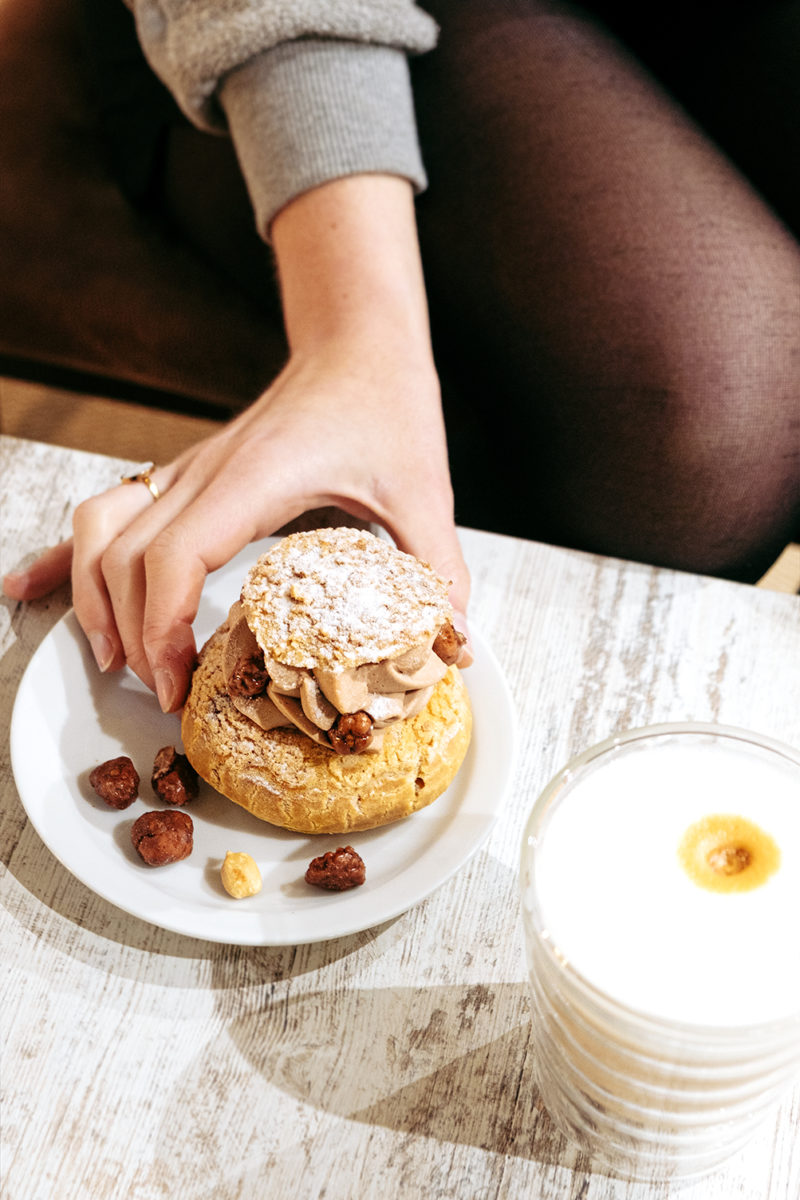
[619, 907]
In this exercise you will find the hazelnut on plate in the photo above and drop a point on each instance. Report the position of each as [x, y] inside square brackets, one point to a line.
[174, 779]
[163, 837]
[240, 875]
[337, 870]
[116, 781]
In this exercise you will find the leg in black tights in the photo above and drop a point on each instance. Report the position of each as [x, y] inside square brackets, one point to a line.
[622, 308]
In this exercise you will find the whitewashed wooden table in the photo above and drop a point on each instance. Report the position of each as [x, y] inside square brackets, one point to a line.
[141, 1064]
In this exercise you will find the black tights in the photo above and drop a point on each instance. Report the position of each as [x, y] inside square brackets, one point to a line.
[615, 307]
[621, 305]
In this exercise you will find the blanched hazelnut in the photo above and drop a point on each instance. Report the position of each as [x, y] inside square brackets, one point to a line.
[240, 875]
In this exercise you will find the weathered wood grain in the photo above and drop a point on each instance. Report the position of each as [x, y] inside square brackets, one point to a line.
[144, 1065]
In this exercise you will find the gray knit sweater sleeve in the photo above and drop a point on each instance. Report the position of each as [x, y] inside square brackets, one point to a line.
[310, 89]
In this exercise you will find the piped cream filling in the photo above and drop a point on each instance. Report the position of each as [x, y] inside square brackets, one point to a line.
[311, 699]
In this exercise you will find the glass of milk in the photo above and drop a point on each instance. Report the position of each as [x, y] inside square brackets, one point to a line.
[660, 887]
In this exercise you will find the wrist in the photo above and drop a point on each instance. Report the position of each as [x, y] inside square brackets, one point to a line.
[349, 268]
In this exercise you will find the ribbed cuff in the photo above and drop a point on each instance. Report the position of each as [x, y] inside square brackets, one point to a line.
[312, 110]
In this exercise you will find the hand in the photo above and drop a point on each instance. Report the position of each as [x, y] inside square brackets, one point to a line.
[354, 421]
[363, 433]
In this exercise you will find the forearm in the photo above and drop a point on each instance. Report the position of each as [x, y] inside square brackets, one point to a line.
[350, 271]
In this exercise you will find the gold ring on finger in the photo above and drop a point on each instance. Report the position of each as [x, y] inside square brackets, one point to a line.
[145, 476]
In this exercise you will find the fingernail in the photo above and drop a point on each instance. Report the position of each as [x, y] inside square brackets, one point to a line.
[166, 689]
[14, 584]
[102, 650]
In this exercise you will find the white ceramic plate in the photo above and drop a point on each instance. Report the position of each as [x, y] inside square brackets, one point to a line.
[68, 718]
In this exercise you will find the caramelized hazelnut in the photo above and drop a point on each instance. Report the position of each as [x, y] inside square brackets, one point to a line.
[249, 677]
[351, 733]
[729, 860]
[725, 852]
[116, 781]
[448, 643]
[174, 779]
[163, 837]
[337, 870]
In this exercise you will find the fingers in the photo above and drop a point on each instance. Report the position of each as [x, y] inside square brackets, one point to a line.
[429, 532]
[108, 575]
[49, 571]
[205, 536]
[139, 566]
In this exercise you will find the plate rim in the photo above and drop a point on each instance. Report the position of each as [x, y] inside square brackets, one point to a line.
[184, 918]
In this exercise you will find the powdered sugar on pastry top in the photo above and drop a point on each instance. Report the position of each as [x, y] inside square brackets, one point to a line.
[337, 598]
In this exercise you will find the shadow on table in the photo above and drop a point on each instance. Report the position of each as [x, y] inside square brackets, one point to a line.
[450, 1063]
[174, 959]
